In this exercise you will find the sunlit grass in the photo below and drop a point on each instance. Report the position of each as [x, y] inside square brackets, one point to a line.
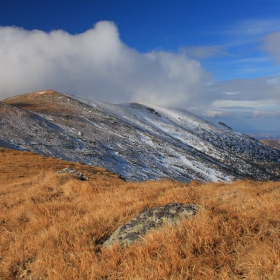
[52, 226]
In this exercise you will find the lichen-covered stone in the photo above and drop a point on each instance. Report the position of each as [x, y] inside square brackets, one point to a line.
[148, 220]
[73, 171]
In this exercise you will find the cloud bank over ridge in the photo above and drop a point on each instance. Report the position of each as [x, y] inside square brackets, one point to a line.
[96, 65]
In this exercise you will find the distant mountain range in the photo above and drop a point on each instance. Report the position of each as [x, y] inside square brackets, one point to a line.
[265, 136]
[138, 142]
[274, 143]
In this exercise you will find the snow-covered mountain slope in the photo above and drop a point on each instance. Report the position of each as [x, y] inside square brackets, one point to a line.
[136, 141]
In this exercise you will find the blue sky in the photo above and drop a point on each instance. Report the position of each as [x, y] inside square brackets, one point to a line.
[218, 59]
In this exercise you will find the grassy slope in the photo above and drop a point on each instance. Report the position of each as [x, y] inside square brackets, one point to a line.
[51, 226]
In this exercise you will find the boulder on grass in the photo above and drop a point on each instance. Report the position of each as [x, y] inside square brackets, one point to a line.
[148, 220]
[78, 175]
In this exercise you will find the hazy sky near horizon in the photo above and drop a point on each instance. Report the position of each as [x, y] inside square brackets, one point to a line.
[218, 59]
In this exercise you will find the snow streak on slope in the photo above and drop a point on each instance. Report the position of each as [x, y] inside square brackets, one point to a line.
[136, 141]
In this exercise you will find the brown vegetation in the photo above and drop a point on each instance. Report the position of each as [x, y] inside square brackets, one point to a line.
[272, 143]
[15, 165]
[48, 101]
[52, 226]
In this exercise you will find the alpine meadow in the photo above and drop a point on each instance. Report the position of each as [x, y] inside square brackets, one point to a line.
[53, 225]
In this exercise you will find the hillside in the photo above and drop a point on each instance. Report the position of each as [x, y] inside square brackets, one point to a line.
[136, 141]
[52, 226]
[272, 143]
[21, 165]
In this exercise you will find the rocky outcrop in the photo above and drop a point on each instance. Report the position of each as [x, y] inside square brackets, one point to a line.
[78, 175]
[149, 220]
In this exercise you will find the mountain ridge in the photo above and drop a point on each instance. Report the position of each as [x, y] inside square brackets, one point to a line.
[137, 141]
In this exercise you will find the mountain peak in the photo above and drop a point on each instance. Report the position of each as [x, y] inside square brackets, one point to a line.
[40, 101]
[31, 95]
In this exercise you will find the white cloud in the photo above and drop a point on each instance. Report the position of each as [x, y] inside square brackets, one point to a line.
[95, 65]
[248, 89]
[260, 104]
[272, 45]
[201, 52]
[251, 107]
[246, 31]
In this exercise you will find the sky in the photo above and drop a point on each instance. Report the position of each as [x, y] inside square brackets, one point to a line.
[215, 58]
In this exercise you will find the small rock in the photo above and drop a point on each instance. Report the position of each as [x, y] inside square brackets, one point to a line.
[148, 220]
[73, 171]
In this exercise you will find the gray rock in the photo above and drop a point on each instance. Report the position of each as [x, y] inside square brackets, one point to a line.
[73, 171]
[148, 220]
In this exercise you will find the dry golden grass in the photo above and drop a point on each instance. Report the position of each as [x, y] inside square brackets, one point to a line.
[52, 226]
[16, 165]
[50, 102]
